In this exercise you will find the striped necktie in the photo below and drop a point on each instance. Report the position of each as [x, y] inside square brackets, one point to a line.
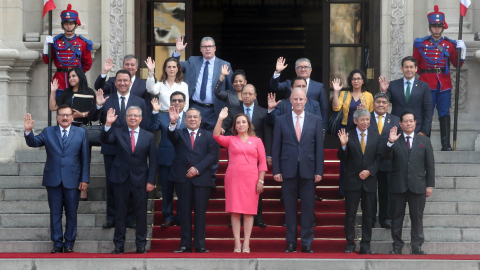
[64, 138]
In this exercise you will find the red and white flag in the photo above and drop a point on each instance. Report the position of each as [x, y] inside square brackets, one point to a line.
[464, 6]
[50, 5]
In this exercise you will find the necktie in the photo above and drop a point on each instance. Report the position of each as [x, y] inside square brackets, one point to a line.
[203, 88]
[64, 138]
[192, 138]
[122, 108]
[179, 122]
[408, 142]
[407, 93]
[132, 140]
[298, 129]
[362, 143]
[248, 114]
[380, 124]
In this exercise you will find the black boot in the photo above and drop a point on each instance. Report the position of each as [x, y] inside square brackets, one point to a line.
[445, 133]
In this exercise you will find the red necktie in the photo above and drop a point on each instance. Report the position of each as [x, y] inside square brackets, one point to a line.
[408, 142]
[132, 140]
[192, 138]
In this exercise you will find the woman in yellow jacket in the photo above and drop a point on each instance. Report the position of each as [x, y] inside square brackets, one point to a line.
[357, 97]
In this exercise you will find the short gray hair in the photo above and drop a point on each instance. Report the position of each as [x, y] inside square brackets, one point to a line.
[195, 109]
[134, 108]
[303, 60]
[207, 39]
[128, 57]
[381, 95]
[360, 112]
[299, 88]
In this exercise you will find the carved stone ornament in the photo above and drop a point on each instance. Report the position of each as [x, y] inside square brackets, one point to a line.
[397, 36]
[462, 97]
[117, 26]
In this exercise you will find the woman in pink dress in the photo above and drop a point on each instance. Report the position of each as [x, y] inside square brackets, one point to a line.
[244, 176]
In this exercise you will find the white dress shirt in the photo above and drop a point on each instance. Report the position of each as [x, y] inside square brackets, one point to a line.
[405, 85]
[137, 130]
[383, 118]
[302, 119]
[275, 75]
[164, 91]
[198, 86]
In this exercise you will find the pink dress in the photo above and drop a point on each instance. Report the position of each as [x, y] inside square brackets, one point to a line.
[245, 160]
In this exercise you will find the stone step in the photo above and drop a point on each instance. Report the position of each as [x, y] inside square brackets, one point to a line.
[32, 169]
[41, 207]
[384, 247]
[11, 194]
[43, 220]
[439, 221]
[457, 157]
[431, 234]
[31, 182]
[38, 156]
[83, 234]
[80, 246]
[457, 170]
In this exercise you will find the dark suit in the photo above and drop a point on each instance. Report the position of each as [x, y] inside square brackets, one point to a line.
[412, 172]
[263, 130]
[315, 92]
[139, 89]
[385, 168]
[419, 103]
[285, 107]
[193, 192]
[355, 188]
[130, 174]
[166, 155]
[64, 170]
[298, 162]
[109, 151]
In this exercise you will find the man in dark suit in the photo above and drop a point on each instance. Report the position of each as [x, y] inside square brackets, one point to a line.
[284, 106]
[412, 180]
[131, 174]
[119, 101]
[166, 152]
[381, 122]
[410, 94]
[303, 68]
[363, 153]
[263, 130]
[67, 171]
[195, 153]
[138, 86]
[297, 153]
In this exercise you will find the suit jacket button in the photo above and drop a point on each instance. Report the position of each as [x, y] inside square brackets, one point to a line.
[63, 156]
[63, 166]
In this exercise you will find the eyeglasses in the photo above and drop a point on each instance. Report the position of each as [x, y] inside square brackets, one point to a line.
[303, 68]
[357, 79]
[176, 100]
[134, 115]
[65, 115]
[208, 47]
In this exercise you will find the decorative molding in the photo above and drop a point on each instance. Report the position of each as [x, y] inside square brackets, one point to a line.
[117, 26]
[9, 131]
[397, 37]
[462, 97]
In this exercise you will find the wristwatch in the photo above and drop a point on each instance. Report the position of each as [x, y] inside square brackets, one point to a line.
[83, 114]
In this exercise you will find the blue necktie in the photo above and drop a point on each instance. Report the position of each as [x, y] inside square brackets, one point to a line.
[179, 122]
[203, 88]
[248, 114]
[64, 138]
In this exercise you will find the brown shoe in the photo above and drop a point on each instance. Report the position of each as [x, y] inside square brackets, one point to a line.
[166, 224]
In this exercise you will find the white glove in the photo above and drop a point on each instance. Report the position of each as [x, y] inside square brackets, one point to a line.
[48, 39]
[461, 45]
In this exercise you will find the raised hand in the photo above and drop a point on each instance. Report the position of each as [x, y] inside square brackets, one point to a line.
[361, 106]
[225, 70]
[383, 83]
[172, 112]
[343, 136]
[54, 85]
[271, 101]
[393, 134]
[223, 114]
[179, 46]
[280, 64]
[100, 98]
[107, 65]
[111, 117]
[155, 105]
[336, 85]
[150, 64]
[28, 122]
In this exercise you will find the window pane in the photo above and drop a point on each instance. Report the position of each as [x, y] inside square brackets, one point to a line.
[342, 61]
[161, 54]
[345, 23]
[169, 21]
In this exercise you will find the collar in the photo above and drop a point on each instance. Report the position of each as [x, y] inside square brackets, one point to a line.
[411, 135]
[190, 131]
[210, 61]
[70, 38]
[137, 130]
[245, 106]
[126, 96]
[359, 132]
[308, 81]
[68, 129]
[302, 115]
[411, 81]
[376, 114]
[436, 41]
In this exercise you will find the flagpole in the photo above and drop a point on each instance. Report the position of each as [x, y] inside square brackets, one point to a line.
[49, 68]
[457, 86]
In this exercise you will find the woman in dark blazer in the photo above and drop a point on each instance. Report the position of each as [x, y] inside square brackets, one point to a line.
[233, 97]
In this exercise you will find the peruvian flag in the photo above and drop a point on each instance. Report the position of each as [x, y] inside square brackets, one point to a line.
[50, 5]
[464, 6]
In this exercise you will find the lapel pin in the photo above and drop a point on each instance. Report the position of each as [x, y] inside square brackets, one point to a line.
[388, 121]
[199, 134]
[416, 84]
[249, 142]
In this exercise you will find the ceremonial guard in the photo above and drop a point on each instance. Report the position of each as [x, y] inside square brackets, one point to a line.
[69, 50]
[434, 54]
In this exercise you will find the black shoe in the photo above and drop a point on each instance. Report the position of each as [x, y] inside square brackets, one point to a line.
[366, 251]
[307, 249]
[395, 251]
[290, 248]
[83, 199]
[284, 224]
[201, 250]
[166, 224]
[386, 225]
[318, 199]
[57, 250]
[214, 186]
[259, 223]
[131, 225]
[418, 251]
[349, 250]
[109, 225]
[67, 249]
[373, 224]
[141, 250]
[118, 250]
[183, 250]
